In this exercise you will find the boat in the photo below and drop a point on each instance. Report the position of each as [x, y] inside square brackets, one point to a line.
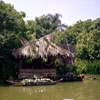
[33, 82]
[71, 77]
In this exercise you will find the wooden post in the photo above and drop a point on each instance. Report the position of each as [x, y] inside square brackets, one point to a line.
[20, 66]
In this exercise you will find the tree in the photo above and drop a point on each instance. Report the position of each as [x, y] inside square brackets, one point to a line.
[44, 25]
[11, 26]
[85, 35]
[94, 44]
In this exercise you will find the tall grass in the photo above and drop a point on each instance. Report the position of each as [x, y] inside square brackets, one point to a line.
[88, 67]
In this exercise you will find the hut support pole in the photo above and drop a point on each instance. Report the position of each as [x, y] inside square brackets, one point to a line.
[20, 64]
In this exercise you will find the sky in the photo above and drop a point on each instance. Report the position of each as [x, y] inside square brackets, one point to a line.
[71, 10]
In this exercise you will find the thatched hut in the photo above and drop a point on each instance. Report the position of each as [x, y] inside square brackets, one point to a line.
[38, 56]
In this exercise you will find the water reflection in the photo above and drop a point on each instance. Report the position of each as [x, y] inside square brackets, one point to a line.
[32, 91]
[43, 92]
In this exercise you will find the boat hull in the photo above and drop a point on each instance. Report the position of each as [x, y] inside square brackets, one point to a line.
[30, 84]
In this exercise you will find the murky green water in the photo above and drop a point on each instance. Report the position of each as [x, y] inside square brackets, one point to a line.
[86, 90]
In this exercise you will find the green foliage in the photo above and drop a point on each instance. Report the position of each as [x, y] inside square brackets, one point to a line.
[58, 62]
[88, 46]
[7, 62]
[10, 19]
[30, 26]
[28, 60]
[86, 36]
[93, 67]
[88, 67]
[60, 38]
[9, 68]
[59, 66]
[81, 66]
[45, 59]
[44, 25]
[62, 68]
[11, 26]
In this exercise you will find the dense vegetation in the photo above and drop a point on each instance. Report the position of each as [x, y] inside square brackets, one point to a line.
[84, 34]
[11, 25]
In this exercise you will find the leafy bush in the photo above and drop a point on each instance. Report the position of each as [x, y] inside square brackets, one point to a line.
[93, 67]
[28, 60]
[8, 69]
[89, 67]
[61, 67]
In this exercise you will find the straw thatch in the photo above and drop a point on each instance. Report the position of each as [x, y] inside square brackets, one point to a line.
[42, 47]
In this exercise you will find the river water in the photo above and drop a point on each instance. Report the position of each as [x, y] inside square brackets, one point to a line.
[89, 89]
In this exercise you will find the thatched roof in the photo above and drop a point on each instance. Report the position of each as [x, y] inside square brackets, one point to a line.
[42, 47]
